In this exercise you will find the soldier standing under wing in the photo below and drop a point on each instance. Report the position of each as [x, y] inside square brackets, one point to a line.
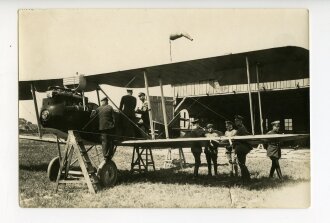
[230, 131]
[242, 149]
[274, 152]
[196, 148]
[144, 112]
[105, 114]
[211, 149]
[127, 106]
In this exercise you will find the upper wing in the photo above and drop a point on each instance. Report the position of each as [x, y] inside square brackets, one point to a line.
[24, 87]
[222, 140]
[276, 64]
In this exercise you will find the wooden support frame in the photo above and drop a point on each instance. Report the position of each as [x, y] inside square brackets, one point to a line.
[139, 164]
[75, 145]
[169, 160]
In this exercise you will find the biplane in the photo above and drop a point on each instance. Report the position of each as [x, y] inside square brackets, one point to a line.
[66, 110]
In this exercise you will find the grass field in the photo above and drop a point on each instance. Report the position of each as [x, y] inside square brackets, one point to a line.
[169, 187]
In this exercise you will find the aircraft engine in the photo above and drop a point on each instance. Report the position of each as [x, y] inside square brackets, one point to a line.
[78, 83]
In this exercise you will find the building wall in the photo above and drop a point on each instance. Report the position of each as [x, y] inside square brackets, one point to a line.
[290, 104]
[212, 87]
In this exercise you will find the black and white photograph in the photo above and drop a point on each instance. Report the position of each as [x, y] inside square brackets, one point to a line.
[164, 108]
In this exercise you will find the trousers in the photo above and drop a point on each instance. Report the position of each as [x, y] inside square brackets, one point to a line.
[241, 159]
[107, 143]
[212, 157]
[275, 166]
[197, 156]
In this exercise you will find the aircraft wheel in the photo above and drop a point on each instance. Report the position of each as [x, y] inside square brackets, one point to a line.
[53, 168]
[107, 173]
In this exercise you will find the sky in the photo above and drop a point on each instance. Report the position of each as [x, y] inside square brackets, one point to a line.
[59, 43]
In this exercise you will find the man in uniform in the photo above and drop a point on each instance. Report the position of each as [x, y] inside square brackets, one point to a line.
[105, 114]
[127, 106]
[230, 131]
[274, 151]
[242, 148]
[144, 111]
[196, 147]
[211, 149]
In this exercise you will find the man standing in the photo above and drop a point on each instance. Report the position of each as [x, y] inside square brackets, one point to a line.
[242, 148]
[274, 151]
[196, 147]
[211, 150]
[144, 111]
[105, 114]
[230, 131]
[127, 106]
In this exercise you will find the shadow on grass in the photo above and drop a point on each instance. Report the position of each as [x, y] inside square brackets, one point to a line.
[173, 176]
[42, 167]
[34, 167]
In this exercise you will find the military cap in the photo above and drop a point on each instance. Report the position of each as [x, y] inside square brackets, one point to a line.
[129, 90]
[208, 126]
[229, 122]
[104, 99]
[141, 93]
[195, 120]
[239, 117]
[276, 122]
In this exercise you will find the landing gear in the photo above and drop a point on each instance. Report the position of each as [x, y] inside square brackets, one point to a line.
[53, 168]
[107, 173]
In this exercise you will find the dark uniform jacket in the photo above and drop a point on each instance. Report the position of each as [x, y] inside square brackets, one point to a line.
[127, 105]
[195, 133]
[242, 146]
[106, 117]
[273, 149]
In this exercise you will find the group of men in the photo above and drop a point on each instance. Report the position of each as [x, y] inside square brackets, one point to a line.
[235, 151]
[107, 121]
[239, 149]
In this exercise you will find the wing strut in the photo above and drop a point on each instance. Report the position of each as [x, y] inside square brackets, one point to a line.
[249, 88]
[33, 91]
[149, 105]
[163, 108]
[259, 99]
[98, 96]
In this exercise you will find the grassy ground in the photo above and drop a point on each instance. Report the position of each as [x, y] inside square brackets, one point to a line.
[169, 187]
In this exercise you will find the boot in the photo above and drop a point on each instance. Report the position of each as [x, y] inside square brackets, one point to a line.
[229, 158]
[245, 175]
[236, 170]
[196, 171]
[209, 170]
[279, 172]
[271, 173]
[215, 169]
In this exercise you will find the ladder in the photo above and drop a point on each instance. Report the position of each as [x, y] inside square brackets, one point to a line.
[170, 162]
[75, 145]
[142, 159]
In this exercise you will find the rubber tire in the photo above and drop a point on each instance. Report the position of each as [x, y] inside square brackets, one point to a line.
[53, 168]
[107, 173]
